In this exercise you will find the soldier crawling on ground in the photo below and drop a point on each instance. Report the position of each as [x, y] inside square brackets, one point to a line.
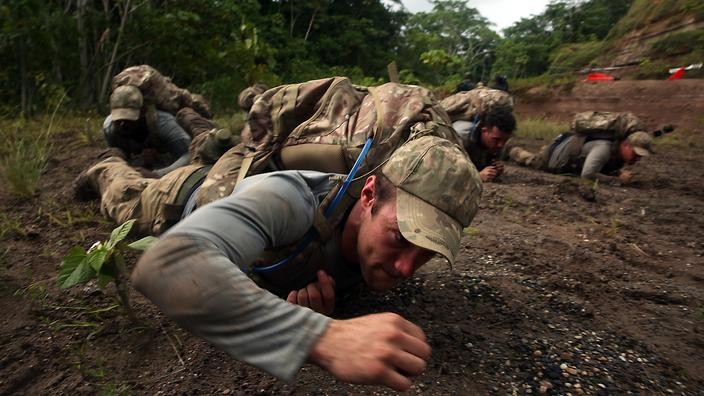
[303, 235]
[483, 118]
[202, 273]
[142, 123]
[597, 147]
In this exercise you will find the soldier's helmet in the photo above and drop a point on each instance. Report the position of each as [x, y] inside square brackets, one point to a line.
[437, 193]
[126, 103]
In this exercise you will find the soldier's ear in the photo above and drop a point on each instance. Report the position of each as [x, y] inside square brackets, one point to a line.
[368, 194]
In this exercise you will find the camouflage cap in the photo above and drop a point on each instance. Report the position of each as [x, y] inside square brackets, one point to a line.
[125, 103]
[640, 141]
[437, 193]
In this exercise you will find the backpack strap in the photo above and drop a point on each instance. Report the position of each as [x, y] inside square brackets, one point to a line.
[244, 168]
[333, 208]
[173, 211]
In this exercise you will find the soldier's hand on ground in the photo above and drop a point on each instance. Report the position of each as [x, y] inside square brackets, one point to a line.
[499, 166]
[318, 296]
[380, 349]
[625, 176]
[488, 174]
[149, 174]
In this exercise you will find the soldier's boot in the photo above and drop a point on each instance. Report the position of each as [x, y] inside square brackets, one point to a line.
[521, 156]
[83, 187]
[216, 144]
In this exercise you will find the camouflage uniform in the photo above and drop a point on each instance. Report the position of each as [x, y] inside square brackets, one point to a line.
[590, 147]
[125, 194]
[200, 273]
[159, 92]
[466, 110]
[320, 125]
[471, 105]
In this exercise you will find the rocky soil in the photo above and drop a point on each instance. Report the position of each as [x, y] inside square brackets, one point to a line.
[552, 294]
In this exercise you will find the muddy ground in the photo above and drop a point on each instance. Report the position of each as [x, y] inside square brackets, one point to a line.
[552, 293]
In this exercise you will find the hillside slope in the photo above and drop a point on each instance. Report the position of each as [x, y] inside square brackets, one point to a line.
[656, 34]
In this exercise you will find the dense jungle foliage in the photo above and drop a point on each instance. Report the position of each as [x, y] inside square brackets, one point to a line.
[66, 51]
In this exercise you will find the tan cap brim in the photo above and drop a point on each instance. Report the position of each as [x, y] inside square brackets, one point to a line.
[425, 226]
[642, 151]
[124, 113]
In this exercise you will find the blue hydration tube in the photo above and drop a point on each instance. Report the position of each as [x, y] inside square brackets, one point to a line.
[476, 122]
[328, 211]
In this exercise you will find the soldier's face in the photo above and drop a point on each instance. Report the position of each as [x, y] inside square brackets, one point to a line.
[385, 256]
[125, 127]
[628, 155]
[493, 139]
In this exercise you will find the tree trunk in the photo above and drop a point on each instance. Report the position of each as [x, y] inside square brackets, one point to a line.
[108, 70]
[84, 91]
[24, 83]
[310, 24]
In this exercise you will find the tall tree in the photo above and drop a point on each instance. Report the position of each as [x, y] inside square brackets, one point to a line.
[451, 39]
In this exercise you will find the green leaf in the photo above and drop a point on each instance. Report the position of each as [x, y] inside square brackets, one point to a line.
[119, 233]
[144, 243]
[97, 258]
[74, 269]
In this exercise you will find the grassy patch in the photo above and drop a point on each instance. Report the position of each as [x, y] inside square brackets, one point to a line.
[539, 128]
[9, 227]
[572, 56]
[645, 12]
[558, 82]
[679, 138]
[678, 43]
[25, 150]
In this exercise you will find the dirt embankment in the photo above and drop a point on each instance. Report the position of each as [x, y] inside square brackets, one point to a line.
[679, 102]
[551, 294]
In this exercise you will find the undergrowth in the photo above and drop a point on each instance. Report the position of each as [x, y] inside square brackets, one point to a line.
[25, 150]
[26, 145]
[539, 128]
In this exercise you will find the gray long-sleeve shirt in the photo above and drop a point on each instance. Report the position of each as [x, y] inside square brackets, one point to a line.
[197, 273]
[175, 140]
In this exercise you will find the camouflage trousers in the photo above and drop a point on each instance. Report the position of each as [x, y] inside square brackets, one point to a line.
[125, 194]
[222, 177]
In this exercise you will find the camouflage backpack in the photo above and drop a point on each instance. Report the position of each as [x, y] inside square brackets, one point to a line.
[606, 125]
[595, 125]
[159, 92]
[471, 105]
[322, 125]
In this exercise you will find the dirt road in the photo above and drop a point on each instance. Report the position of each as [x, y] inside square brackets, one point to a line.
[552, 294]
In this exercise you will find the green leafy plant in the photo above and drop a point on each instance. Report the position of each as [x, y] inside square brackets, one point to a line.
[105, 262]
